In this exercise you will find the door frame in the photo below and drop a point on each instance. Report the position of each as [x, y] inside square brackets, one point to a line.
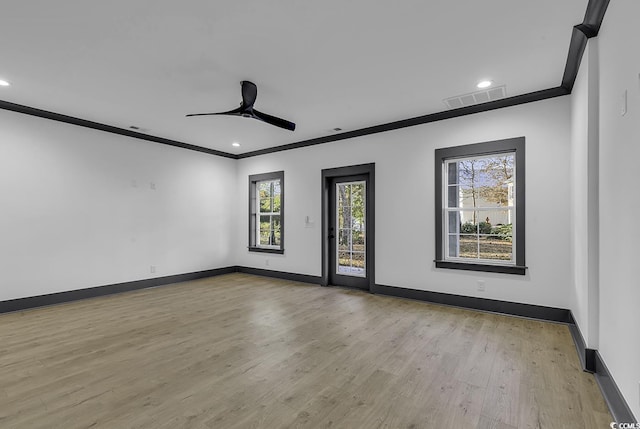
[327, 175]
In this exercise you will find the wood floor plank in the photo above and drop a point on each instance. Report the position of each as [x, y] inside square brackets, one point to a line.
[241, 351]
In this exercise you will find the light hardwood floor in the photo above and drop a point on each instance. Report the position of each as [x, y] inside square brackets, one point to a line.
[240, 351]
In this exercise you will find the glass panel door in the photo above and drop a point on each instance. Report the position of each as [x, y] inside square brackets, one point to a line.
[351, 228]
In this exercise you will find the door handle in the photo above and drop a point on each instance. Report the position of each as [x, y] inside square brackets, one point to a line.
[331, 236]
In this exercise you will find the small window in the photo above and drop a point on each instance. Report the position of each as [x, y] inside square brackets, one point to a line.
[266, 212]
[480, 207]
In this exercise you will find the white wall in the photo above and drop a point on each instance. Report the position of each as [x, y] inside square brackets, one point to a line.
[405, 226]
[584, 294]
[579, 194]
[77, 208]
[619, 197]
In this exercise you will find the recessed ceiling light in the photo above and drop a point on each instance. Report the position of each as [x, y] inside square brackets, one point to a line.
[484, 84]
[4, 83]
[235, 144]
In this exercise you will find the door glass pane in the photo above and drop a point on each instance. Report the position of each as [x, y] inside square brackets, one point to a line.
[344, 217]
[344, 239]
[344, 262]
[357, 260]
[357, 241]
[351, 216]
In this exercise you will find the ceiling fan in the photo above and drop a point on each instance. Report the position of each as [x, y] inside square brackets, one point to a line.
[249, 93]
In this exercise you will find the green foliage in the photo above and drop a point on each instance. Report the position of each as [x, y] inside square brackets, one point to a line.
[269, 196]
[503, 232]
[485, 227]
[351, 206]
[469, 228]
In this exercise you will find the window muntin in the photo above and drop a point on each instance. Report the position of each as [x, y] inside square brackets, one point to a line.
[479, 211]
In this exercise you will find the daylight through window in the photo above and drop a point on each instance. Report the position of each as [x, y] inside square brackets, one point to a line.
[266, 212]
[268, 195]
[480, 208]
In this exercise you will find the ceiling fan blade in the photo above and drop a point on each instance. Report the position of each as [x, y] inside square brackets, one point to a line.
[235, 112]
[282, 123]
[249, 93]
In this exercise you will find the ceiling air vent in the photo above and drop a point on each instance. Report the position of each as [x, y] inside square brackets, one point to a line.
[477, 97]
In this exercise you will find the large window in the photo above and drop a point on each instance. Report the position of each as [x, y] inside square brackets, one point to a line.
[266, 212]
[480, 207]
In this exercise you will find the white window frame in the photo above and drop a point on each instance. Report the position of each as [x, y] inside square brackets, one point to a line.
[259, 214]
[254, 212]
[446, 210]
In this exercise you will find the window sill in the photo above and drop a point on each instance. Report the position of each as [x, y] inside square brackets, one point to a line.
[503, 269]
[266, 250]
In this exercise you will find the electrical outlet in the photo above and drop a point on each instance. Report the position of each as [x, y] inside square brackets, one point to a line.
[266, 262]
[153, 269]
[481, 285]
[152, 186]
[623, 103]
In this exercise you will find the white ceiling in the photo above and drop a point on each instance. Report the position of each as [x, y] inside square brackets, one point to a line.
[334, 63]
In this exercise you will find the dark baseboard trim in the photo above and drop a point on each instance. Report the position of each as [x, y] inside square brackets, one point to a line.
[20, 304]
[590, 359]
[483, 304]
[592, 362]
[75, 295]
[612, 395]
[6, 105]
[303, 278]
[586, 355]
